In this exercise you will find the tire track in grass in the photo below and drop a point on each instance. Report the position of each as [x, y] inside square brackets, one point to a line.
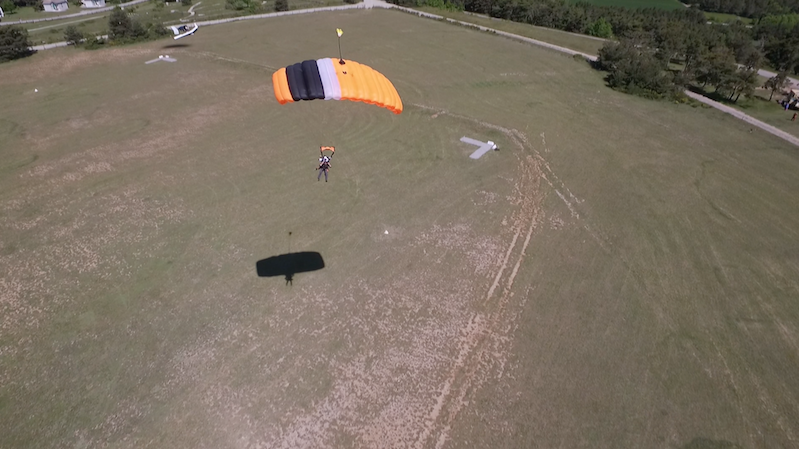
[484, 342]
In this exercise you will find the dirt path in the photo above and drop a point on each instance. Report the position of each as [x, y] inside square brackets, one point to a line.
[485, 341]
[748, 119]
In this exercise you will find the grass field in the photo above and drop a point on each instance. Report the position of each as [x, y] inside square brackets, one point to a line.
[726, 18]
[662, 4]
[621, 274]
[764, 110]
[574, 41]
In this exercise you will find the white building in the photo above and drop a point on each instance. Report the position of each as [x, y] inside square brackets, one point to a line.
[55, 5]
[93, 3]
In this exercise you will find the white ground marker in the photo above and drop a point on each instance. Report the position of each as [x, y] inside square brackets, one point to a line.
[485, 147]
[164, 58]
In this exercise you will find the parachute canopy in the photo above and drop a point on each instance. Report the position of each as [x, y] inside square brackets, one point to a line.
[328, 79]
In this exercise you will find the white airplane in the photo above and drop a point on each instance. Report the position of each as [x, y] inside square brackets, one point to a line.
[184, 30]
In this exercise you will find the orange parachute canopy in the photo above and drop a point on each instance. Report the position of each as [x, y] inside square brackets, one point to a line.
[329, 79]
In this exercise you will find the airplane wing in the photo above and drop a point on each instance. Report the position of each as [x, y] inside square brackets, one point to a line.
[184, 30]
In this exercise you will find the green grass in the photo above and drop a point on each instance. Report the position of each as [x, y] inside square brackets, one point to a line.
[760, 107]
[97, 24]
[53, 31]
[574, 41]
[726, 18]
[632, 4]
[622, 273]
[28, 13]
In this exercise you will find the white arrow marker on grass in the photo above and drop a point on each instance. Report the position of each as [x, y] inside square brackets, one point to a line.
[485, 147]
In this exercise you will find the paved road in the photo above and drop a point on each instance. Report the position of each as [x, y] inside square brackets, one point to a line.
[77, 14]
[748, 119]
[369, 4]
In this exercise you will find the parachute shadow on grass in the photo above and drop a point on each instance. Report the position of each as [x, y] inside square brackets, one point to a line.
[176, 46]
[290, 264]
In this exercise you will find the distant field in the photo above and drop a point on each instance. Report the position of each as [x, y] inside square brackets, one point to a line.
[663, 4]
[574, 41]
[726, 18]
[620, 274]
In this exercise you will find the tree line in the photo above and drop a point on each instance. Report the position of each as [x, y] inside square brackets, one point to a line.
[122, 29]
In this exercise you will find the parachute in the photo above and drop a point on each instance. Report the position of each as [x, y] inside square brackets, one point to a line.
[335, 79]
[330, 151]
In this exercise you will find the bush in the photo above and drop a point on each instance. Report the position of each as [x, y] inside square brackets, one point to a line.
[185, 2]
[600, 28]
[14, 43]
[281, 5]
[94, 42]
[8, 7]
[441, 4]
[73, 36]
[251, 6]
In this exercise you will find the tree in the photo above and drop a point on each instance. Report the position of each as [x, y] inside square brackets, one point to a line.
[122, 28]
[670, 40]
[251, 6]
[601, 28]
[776, 83]
[743, 81]
[281, 5]
[72, 35]
[716, 67]
[783, 54]
[749, 56]
[119, 24]
[8, 7]
[632, 67]
[14, 43]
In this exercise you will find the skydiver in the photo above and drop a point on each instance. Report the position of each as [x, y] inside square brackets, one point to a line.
[324, 166]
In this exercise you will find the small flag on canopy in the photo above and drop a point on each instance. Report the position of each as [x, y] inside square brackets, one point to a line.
[339, 32]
